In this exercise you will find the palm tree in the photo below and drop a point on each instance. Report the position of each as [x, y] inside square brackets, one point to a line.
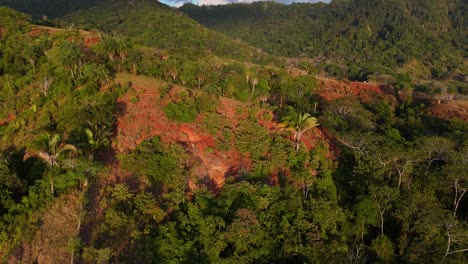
[92, 138]
[254, 83]
[109, 46]
[48, 150]
[299, 123]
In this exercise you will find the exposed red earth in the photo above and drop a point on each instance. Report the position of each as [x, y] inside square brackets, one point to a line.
[330, 89]
[142, 118]
[457, 109]
[10, 118]
[89, 38]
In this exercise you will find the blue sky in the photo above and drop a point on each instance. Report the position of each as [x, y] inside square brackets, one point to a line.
[221, 2]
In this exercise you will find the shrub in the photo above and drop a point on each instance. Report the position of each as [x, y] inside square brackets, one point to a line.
[252, 138]
[183, 111]
[214, 123]
[206, 103]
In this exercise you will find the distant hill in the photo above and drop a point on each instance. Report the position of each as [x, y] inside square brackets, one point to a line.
[426, 38]
[149, 22]
[50, 8]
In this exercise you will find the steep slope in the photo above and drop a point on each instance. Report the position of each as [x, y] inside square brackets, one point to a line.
[354, 34]
[216, 157]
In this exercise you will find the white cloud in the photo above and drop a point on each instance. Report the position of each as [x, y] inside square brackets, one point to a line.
[178, 3]
[213, 2]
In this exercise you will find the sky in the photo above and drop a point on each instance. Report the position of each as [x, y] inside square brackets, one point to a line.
[178, 3]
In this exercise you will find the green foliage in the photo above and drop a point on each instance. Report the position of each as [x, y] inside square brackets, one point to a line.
[98, 256]
[383, 247]
[298, 123]
[10, 17]
[22, 218]
[239, 87]
[205, 103]
[65, 54]
[158, 162]
[252, 138]
[183, 110]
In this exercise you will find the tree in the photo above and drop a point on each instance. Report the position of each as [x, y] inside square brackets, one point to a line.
[108, 46]
[201, 71]
[456, 234]
[124, 45]
[457, 176]
[299, 123]
[31, 53]
[46, 73]
[48, 149]
[383, 247]
[92, 138]
[254, 83]
[172, 70]
[67, 55]
[434, 149]
[383, 198]
[263, 90]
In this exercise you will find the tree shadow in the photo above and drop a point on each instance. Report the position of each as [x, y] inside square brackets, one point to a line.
[210, 184]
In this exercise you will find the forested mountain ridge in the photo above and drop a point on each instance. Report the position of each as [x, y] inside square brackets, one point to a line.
[117, 150]
[148, 22]
[427, 39]
[154, 24]
[50, 8]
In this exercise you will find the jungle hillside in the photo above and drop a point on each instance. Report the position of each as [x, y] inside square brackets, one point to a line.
[135, 132]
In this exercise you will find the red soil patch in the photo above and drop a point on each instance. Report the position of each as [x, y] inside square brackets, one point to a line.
[10, 118]
[332, 89]
[457, 109]
[89, 39]
[233, 110]
[142, 118]
[265, 119]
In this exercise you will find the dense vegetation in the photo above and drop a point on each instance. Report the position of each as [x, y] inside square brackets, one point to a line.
[356, 39]
[386, 184]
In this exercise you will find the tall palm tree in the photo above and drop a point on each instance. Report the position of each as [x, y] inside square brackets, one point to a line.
[48, 150]
[299, 123]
